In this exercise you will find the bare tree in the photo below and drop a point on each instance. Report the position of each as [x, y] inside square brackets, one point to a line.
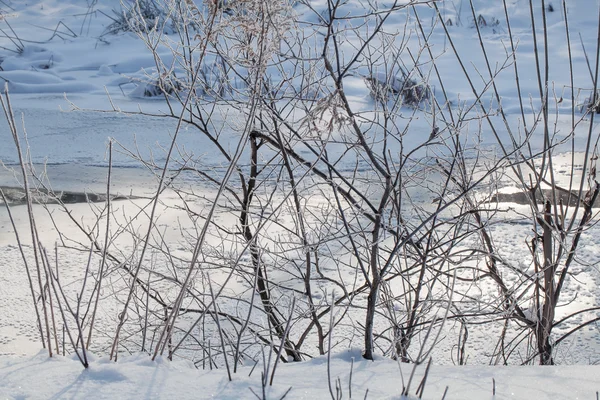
[337, 166]
[559, 211]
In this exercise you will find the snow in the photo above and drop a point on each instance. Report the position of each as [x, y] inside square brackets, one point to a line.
[61, 77]
[138, 377]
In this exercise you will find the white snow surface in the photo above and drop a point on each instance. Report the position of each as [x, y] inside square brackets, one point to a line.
[80, 62]
[140, 378]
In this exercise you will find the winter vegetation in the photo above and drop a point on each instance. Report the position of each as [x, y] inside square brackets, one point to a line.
[300, 199]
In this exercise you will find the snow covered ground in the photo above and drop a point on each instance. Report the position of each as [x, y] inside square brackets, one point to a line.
[66, 51]
[138, 377]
